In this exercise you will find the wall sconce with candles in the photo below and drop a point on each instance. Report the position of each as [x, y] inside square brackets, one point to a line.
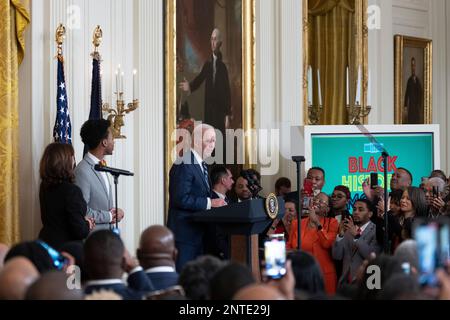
[358, 111]
[116, 115]
[314, 111]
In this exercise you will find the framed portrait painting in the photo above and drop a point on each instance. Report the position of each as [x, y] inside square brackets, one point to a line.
[413, 80]
[210, 75]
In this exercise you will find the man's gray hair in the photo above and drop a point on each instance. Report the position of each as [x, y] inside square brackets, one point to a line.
[219, 34]
[407, 252]
[437, 182]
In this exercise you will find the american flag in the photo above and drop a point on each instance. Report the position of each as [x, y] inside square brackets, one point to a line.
[62, 132]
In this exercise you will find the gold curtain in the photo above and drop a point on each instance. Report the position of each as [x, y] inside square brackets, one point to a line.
[15, 19]
[332, 38]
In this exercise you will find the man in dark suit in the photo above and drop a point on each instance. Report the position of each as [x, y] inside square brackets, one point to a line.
[216, 243]
[217, 86]
[190, 192]
[157, 255]
[356, 240]
[106, 259]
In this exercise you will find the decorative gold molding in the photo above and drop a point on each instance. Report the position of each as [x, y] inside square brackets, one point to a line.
[305, 62]
[400, 42]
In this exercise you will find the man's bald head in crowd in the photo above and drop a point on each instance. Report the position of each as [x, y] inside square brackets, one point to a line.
[15, 278]
[157, 247]
[52, 285]
[259, 292]
[3, 251]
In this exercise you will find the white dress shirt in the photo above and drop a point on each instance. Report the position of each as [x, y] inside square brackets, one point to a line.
[103, 174]
[200, 161]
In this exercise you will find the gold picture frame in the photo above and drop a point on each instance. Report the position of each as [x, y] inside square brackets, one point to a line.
[246, 81]
[413, 89]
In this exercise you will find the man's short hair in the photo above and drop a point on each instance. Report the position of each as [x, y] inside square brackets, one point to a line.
[253, 172]
[105, 247]
[94, 131]
[229, 280]
[282, 182]
[319, 169]
[369, 205]
[217, 173]
[196, 275]
[408, 172]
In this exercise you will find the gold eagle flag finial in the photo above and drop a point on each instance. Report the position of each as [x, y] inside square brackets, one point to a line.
[60, 35]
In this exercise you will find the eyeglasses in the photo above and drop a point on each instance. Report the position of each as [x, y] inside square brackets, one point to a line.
[322, 202]
[59, 261]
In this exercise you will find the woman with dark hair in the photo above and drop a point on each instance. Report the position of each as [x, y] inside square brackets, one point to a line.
[307, 273]
[413, 204]
[63, 209]
[283, 226]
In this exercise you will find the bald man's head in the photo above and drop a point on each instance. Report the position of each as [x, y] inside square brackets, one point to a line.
[259, 292]
[3, 251]
[52, 285]
[15, 278]
[157, 247]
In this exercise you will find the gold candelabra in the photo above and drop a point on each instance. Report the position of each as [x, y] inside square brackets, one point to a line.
[116, 115]
[314, 113]
[357, 113]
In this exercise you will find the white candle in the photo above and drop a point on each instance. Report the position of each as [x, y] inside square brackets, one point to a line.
[135, 86]
[320, 91]
[310, 86]
[117, 83]
[348, 89]
[121, 81]
[369, 90]
[358, 88]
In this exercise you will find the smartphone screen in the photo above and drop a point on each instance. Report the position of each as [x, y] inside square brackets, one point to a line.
[444, 245]
[275, 258]
[426, 236]
[373, 180]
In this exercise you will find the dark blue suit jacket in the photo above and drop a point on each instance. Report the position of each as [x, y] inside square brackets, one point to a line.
[188, 193]
[163, 280]
[138, 286]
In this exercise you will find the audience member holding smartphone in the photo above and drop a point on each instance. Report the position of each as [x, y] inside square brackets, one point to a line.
[339, 203]
[63, 209]
[434, 194]
[318, 235]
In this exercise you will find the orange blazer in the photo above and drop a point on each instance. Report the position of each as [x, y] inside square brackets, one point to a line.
[318, 243]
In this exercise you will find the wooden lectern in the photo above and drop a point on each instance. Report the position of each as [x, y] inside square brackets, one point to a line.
[243, 221]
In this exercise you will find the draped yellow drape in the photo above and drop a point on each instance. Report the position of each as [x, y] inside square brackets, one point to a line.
[14, 21]
[332, 38]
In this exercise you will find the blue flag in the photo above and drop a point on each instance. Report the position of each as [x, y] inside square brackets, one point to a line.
[62, 132]
[96, 93]
[96, 90]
